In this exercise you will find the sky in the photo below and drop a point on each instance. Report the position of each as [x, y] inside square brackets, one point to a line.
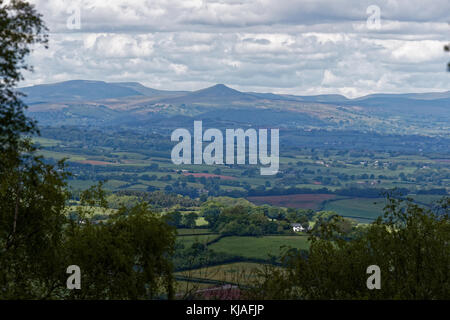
[303, 47]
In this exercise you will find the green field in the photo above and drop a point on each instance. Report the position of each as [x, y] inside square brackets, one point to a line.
[126, 166]
[259, 247]
[201, 222]
[91, 212]
[45, 142]
[426, 198]
[363, 209]
[183, 231]
[188, 241]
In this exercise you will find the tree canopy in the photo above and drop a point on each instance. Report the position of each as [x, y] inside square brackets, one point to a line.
[409, 243]
[20, 28]
[127, 257]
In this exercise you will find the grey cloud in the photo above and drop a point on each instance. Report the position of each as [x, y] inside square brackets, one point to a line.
[284, 46]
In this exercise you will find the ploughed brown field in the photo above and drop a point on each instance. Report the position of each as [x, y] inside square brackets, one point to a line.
[208, 175]
[304, 201]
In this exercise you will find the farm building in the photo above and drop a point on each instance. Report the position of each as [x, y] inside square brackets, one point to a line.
[297, 227]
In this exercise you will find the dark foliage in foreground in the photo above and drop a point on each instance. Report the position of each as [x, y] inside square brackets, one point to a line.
[410, 244]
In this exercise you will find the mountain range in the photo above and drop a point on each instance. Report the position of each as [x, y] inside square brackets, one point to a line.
[99, 103]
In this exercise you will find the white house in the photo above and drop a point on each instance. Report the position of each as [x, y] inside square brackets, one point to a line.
[297, 227]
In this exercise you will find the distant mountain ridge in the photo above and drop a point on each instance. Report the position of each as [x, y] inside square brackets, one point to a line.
[76, 90]
[86, 102]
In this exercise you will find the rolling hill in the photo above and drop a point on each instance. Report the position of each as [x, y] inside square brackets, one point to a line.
[98, 103]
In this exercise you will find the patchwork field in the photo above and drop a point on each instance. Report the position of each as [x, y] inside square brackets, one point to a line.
[96, 162]
[259, 247]
[304, 201]
[208, 175]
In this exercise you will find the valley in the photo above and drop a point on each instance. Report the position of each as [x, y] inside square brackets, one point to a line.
[337, 156]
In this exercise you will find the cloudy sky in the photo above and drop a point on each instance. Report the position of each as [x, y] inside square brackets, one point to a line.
[282, 46]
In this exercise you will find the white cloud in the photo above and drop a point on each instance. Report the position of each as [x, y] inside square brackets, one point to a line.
[122, 46]
[329, 78]
[179, 68]
[419, 51]
[286, 46]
